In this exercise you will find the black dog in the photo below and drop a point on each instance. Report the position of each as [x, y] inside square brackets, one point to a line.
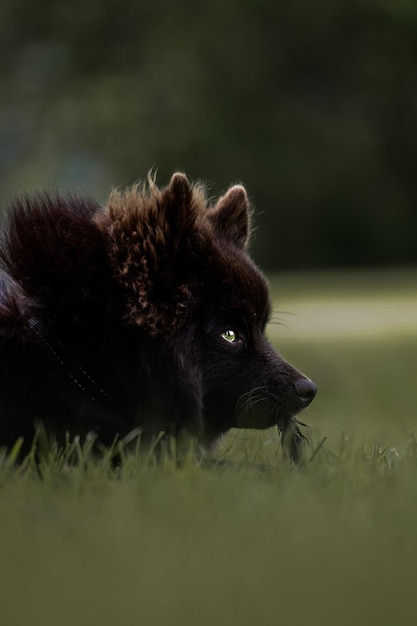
[147, 313]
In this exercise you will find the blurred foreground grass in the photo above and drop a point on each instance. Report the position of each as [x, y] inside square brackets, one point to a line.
[332, 542]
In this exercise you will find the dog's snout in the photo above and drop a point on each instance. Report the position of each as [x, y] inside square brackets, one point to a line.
[305, 389]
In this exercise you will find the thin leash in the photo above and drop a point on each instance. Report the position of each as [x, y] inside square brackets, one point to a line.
[74, 372]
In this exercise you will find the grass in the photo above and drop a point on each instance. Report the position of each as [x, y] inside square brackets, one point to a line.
[331, 542]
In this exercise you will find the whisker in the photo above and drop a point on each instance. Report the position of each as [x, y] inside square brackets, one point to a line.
[278, 323]
[250, 399]
[276, 318]
[277, 313]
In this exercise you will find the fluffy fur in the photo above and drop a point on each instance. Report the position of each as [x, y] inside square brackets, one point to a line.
[145, 313]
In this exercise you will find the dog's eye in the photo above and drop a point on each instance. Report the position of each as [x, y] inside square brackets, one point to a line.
[229, 335]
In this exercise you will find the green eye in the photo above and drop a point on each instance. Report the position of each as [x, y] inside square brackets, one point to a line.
[229, 335]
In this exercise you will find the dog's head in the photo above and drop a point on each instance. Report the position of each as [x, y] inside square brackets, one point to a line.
[246, 383]
[190, 282]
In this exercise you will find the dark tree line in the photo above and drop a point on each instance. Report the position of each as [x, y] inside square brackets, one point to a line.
[311, 105]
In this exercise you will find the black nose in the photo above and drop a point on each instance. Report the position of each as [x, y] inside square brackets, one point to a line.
[305, 389]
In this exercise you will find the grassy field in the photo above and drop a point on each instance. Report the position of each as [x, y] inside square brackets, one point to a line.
[331, 543]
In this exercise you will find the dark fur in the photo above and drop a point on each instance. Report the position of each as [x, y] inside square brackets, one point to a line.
[112, 318]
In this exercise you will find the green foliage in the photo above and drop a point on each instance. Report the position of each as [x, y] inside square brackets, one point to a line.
[311, 105]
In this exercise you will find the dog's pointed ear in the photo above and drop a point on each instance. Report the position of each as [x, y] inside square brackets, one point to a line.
[179, 207]
[158, 221]
[230, 217]
[149, 236]
[180, 187]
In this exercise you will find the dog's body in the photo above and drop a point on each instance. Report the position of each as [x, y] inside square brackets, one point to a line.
[147, 313]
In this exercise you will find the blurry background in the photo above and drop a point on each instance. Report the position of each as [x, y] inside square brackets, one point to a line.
[313, 106]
